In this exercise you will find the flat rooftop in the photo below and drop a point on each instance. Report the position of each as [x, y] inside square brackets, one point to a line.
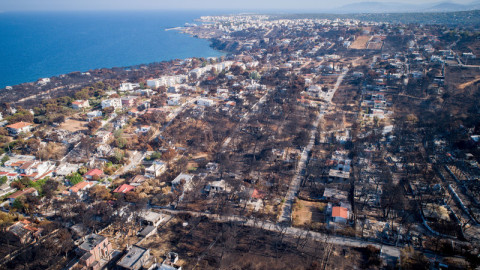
[133, 255]
[91, 241]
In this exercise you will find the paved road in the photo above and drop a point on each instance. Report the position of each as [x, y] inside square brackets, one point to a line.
[172, 115]
[289, 199]
[296, 232]
[246, 117]
[136, 158]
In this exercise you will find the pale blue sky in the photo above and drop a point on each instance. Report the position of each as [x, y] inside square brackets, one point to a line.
[50, 5]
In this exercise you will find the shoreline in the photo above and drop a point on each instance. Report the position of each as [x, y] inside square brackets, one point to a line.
[190, 51]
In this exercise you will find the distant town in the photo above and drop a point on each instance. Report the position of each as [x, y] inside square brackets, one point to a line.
[312, 144]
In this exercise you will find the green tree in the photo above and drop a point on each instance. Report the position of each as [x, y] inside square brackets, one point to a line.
[3, 180]
[74, 178]
[5, 159]
[18, 203]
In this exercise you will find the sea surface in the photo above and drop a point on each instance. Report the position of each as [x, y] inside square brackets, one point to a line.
[45, 44]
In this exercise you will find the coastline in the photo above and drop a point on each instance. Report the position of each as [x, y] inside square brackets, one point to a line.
[158, 47]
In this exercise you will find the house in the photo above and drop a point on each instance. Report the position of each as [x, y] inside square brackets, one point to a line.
[32, 191]
[143, 129]
[80, 104]
[334, 195]
[94, 174]
[154, 83]
[145, 92]
[125, 188]
[152, 218]
[120, 123]
[182, 179]
[19, 127]
[36, 169]
[129, 101]
[157, 168]
[11, 176]
[137, 180]
[80, 188]
[169, 262]
[24, 231]
[128, 87]
[314, 90]
[147, 231]
[338, 175]
[173, 100]
[93, 114]
[135, 258]
[211, 166]
[66, 169]
[204, 102]
[116, 103]
[103, 136]
[134, 112]
[6, 189]
[43, 81]
[339, 214]
[173, 90]
[258, 195]
[217, 187]
[95, 252]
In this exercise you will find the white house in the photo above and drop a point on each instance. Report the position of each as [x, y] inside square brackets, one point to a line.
[19, 127]
[36, 169]
[128, 87]
[217, 187]
[93, 114]
[205, 102]
[79, 104]
[43, 81]
[182, 178]
[143, 129]
[116, 103]
[104, 136]
[173, 100]
[156, 169]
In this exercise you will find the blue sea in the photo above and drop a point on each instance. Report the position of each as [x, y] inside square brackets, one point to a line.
[38, 45]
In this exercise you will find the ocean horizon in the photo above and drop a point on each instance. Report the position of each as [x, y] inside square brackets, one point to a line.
[36, 45]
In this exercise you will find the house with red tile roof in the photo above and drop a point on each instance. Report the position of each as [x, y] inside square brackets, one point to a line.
[19, 127]
[24, 192]
[95, 173]
[339, 214]
[125, 188]
[80, 188]
[25, 231]
[257, 194]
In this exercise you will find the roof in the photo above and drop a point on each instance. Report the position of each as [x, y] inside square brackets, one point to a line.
[124, 188]
[94, 172]
[19, 125]
[131, 258]
[257, 194]
[21, 228]
[79, 102]
[338, 211]
[80, 186]
[147, 230]
[180, 177]
[138, 179]
[27, 164]
[22, 192]
[91, 241]
[151, 216]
